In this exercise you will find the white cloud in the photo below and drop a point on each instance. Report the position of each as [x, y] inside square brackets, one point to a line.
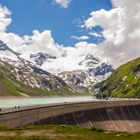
[121, 29]
[84, 48]
[80, 38]
[11, 39]
[37, 42]
[44, 42]
[40, 42]
[94, 34]
[63, 3]
[5, 20]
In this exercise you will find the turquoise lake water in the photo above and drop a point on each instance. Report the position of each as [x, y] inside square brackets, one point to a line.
[22, 102]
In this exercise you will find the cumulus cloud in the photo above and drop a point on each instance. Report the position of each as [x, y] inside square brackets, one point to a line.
[40, 42]
[26, 45]
[95, 34]
[43, 42]
[5, 20]
[121, 29]
[80, 38]
[81, 49]
[84, 48]
[63, 3]
[11, 39]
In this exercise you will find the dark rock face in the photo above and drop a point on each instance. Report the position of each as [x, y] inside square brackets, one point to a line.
[91, 57]
[46, 83]
[101, 70]
[39, 71]
[4, 47]
[76, 78]
[90, 61]
[137, 70]
[40, 58]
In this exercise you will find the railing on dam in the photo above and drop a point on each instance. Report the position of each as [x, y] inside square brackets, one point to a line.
[110, 115]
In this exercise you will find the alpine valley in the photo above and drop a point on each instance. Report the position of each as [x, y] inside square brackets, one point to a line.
[43, 74]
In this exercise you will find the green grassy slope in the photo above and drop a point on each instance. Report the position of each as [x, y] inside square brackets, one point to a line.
[123, 82]
[10, 86]
[63, 133]
[7, 87]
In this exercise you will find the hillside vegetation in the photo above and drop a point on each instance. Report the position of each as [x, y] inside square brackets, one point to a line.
[30, 81]
[63, 133]
[123, 82]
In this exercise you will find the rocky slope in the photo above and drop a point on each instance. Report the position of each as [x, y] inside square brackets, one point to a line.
[123, 82]
[40, 58]
[19, 77]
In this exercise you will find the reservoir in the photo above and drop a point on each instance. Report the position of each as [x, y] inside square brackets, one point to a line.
[22, 102]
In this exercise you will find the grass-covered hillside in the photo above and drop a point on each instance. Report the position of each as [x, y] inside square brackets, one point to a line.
[24, 79]
[63, 133]
[123, 82]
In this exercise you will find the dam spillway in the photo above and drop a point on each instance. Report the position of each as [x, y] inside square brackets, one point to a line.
[111, 119]
[123, 115]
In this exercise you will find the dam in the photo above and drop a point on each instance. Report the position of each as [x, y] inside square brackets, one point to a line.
[110, 115]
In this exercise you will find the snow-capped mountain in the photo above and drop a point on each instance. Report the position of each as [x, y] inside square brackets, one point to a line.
[79, 71]
[94, 71]
[21, 77]
[7, 53]
[77, 77]
[40, 58]
[90, 61]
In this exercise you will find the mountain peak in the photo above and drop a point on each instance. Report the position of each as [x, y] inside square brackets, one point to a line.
[90, 61]
[3, 46]
[7, 53]
[41, 57]
[91, 57]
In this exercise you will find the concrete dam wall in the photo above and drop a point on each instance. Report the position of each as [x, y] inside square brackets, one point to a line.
[109, 115]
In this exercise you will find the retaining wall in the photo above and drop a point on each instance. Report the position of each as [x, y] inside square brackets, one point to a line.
[110, 115]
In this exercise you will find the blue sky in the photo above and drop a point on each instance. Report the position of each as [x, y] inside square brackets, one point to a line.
[28, 15]
[120, 29]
